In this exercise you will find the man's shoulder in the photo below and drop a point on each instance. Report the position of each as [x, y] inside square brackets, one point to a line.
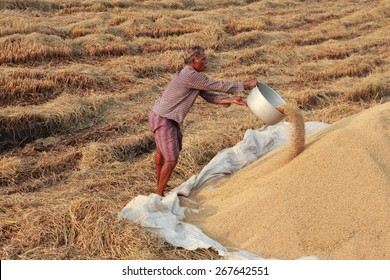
[191, 73]
[188, 70]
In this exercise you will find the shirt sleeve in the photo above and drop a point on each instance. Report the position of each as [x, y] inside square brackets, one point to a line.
[201, 82]
[212, 97]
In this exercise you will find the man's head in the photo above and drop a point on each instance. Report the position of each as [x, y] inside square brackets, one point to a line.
[195, 56]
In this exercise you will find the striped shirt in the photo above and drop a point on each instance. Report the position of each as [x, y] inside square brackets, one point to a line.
[184, 88]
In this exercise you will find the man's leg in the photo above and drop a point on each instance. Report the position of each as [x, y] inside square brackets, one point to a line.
[169, 142]
[159, 161]
[165, 175]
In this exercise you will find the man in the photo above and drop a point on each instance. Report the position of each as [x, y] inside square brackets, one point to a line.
[169, 111]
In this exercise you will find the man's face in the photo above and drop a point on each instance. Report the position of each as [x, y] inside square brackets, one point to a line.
[200, 63]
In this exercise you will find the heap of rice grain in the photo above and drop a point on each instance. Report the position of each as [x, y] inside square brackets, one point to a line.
[331, 201]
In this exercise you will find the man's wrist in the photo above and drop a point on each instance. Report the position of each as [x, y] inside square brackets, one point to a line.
[241, 86]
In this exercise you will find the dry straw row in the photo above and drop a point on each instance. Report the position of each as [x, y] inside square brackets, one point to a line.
[35, 47]
[119, 150]
[26, 86]
[27, 4]
[373, 88]
[26, 174]
[356, 66]
[64, 114]
[66, 6]
[162, 27]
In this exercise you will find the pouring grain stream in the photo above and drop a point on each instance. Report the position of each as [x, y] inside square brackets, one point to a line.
[297, 138]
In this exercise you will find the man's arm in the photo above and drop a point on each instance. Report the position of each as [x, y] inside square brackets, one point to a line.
[222, 99]
[238, 100]
[198, 80]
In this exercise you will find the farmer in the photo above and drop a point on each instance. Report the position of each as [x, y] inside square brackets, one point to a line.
[169, 111]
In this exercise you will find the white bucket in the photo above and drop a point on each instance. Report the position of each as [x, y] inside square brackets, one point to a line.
[262, 101]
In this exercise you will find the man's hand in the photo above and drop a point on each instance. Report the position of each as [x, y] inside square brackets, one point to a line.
[238, 100]
[250, 84]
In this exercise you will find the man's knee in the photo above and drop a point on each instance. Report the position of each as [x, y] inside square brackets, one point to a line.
[159, 158]
[171, 163]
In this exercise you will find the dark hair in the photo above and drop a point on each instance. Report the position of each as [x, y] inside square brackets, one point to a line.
[192, 53]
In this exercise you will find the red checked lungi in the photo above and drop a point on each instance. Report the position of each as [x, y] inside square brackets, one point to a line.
[167, 135]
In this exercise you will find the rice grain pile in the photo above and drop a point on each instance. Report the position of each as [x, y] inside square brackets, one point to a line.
[331, 201]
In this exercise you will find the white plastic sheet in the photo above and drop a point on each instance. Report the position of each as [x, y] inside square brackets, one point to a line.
[165, 215]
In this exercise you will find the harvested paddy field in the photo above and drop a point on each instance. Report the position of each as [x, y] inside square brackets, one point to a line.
[78, 79]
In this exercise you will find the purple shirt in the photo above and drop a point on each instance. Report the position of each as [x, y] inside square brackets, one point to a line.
[184, 88]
